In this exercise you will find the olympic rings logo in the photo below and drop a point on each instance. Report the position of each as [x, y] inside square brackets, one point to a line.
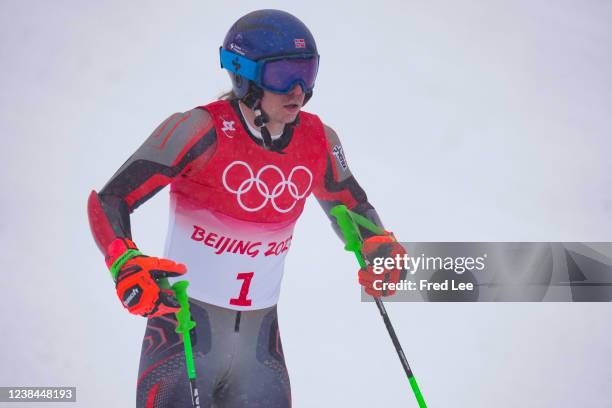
[263, 189]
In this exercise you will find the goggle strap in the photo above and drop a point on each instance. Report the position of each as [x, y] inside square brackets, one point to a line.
[238, 64]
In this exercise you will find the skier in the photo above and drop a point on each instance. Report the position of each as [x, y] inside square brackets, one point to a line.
[239, 171]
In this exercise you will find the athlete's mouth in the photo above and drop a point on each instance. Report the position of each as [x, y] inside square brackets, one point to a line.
[292, 106]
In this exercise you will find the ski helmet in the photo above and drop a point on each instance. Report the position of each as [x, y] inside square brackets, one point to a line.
[272, 50]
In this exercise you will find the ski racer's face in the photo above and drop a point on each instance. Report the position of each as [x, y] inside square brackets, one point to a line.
[283, 108]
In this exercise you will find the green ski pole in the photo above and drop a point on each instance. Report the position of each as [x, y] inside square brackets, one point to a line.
[185, 324]
[349, 223]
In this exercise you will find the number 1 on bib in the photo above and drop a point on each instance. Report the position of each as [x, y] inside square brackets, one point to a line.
[244, 290]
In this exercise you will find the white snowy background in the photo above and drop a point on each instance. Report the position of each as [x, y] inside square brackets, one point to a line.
[473, 120]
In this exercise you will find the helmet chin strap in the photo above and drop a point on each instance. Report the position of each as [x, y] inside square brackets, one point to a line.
[252, 100]
[261, 118]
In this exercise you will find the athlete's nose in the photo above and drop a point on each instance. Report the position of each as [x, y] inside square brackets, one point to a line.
[296, 90]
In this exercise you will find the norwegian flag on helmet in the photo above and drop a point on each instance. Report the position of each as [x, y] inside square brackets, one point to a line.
[299, 43]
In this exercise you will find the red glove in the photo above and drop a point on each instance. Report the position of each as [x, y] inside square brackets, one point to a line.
[136, 279]
[376, 247]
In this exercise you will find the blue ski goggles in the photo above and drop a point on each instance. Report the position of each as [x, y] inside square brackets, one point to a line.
[276, 74]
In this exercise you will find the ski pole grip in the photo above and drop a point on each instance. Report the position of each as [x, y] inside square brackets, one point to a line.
[185, 324]
[350, 231]
[183, 316]
[362, 221]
